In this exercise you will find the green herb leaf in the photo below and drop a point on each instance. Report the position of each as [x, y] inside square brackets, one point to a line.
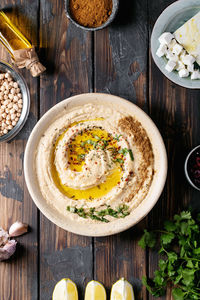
[190, 264]
[131, 154]
[97, 137]
[123, 151]
[188, 276]
[120, 212]
[166, 238]
[172, 256]
[119, 160]
[178, 294]
[148, 240]
[81, 156]
[185, 215]
[117, 137]
[180, 265]
[169, 226]
[178, 278]
[159, 279]
[162, 265]
[196, 251]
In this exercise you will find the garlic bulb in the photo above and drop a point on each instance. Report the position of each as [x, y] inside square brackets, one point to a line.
[7, 250]
[18, 228]
[4, 237]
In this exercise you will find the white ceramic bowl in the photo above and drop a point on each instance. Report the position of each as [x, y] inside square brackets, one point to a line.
[117, 225]
[171, 19]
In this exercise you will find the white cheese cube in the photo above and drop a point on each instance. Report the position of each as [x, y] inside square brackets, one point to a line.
[171, 56]
[161, 50]
[195, 75]
[183, 52]
[188, 59]
[166, 38]
[183, 73]
[177, 49]
[182, 57]
[180, 66]
[172, 44]
[188, 35]
[170, 66]
[190, 68]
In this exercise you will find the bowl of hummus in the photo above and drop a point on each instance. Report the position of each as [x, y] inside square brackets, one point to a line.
[95, 164]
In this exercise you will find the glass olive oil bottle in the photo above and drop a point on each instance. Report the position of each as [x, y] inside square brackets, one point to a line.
[11, 38]
[20, 49]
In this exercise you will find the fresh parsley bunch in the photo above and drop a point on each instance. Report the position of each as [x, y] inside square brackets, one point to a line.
[180, 266]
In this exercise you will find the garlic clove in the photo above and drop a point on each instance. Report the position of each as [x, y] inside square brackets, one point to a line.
[4, 237]
[8, 250]
[18, 228]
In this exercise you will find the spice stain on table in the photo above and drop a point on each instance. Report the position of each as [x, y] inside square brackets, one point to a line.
[56, 263]
[9, 187]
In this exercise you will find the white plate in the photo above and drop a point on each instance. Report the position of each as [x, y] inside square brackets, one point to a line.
[117, 225]
[171, 19]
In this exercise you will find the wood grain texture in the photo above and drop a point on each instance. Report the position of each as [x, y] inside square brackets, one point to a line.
[120, 61]
[18, 276]
[116, 60]
[66, 53]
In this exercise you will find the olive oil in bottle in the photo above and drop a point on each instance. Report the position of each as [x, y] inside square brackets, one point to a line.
[11, 38]
[20, 49]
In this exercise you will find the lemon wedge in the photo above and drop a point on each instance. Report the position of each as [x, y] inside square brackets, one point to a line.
[122, 290]
[95, 291]
[65, 289]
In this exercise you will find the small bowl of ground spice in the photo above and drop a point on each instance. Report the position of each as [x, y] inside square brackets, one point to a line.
[91, 14]
[192, 167]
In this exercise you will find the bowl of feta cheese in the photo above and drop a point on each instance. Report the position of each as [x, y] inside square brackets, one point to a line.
[175, 43]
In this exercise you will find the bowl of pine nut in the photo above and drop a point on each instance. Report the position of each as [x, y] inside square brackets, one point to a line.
[14, 102]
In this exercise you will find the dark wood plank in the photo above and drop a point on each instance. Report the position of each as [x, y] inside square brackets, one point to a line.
[176, 111]
[67, 55]
[121, 53]
[18, 276]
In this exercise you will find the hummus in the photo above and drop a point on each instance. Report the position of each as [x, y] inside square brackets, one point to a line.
[94, 163]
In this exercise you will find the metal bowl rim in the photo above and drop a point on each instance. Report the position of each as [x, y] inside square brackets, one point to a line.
[13, 132]
[185, 168]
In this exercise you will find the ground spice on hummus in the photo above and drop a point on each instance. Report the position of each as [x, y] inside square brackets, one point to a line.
[134, 128]
[90, 13]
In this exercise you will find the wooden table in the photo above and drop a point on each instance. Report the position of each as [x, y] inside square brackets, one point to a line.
[116, 60]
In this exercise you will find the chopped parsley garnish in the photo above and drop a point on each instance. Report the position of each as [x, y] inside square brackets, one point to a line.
[180, 265]
[119, 160]
[124, 151]
[81, 156]
[97, 137]
[121, 212]
[97, 142]
[105, 144]
[116, 137]
[89, 142]
[131, 154]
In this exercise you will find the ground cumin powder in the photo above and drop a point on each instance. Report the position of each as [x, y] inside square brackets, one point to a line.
[90, 13]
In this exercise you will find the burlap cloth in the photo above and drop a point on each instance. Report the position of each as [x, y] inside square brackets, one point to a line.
[27, 58]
